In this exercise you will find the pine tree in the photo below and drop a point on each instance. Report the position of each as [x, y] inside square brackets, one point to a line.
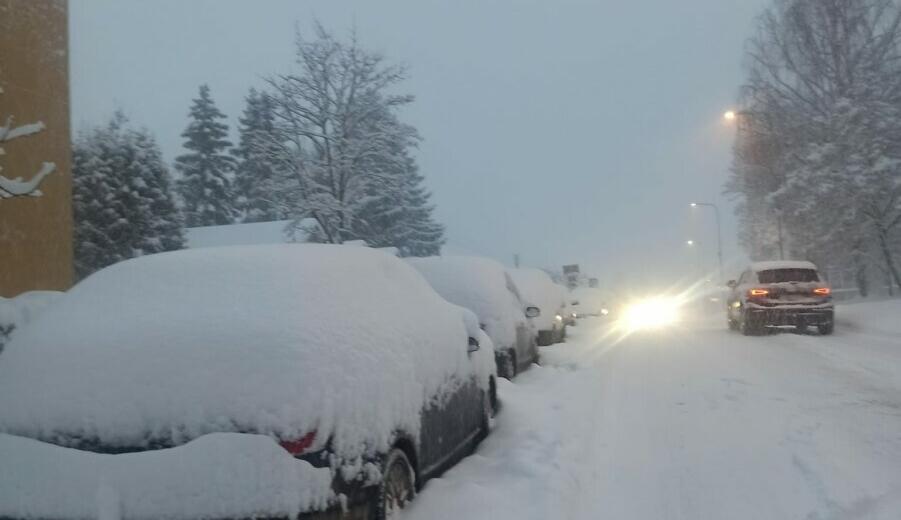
[255, 196]
[123, 202]
[205, 170]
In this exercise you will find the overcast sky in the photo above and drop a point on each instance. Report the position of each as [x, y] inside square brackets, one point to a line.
[566, 131]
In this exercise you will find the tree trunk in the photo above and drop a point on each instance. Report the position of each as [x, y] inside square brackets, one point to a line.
[890, 266]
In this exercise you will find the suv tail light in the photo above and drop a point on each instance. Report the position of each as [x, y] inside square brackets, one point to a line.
[822, 291]
[758, 292]
[299, 446]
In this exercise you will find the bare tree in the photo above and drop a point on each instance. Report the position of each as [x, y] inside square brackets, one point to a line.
[336, 139]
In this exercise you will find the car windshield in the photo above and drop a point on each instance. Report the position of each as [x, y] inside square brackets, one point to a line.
[787, 275]
[450, 259]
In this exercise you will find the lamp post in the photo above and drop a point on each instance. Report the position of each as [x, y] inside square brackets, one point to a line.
[719, 232]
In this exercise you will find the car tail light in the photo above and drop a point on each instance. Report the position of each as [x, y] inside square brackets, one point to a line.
[758, 292]
[822, 291]
[299, 446]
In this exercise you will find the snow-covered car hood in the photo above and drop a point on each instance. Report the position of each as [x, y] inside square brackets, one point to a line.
[279, 340]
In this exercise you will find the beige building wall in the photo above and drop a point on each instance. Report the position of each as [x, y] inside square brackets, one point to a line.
[36, 232]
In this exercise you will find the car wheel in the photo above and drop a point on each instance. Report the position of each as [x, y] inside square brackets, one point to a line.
[747, 325]
[492, 394]
[733, 325]
[398, 486]
[827, 328]
[487, 414]
[506, 364]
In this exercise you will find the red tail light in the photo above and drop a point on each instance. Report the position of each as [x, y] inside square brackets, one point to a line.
[298, 446]
[822, 291]
[758, 292]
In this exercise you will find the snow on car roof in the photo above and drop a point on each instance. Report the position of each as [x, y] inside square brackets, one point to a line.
[782, 264]
[276, 339]
[538, 289]
[480, 285]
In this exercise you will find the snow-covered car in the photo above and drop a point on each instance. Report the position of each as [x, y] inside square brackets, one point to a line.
[17, 312]
[537, 287]
[483, 286]
[780, 293]
[240, 382]
[588, 302]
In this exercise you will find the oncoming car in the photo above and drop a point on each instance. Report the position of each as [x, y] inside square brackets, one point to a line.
[780, 293]
[240, 382]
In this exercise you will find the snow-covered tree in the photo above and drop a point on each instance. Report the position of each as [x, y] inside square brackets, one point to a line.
[206, 169]
[19, 186]
[340, 151]
[254, 192]
[122, 197]
[817, 162]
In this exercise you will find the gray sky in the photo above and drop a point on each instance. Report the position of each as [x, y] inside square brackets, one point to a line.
[567, 131]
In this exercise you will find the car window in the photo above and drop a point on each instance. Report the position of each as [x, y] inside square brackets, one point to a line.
[787, 275]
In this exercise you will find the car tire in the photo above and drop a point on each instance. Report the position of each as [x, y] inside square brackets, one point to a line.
[506, 364]
[747, 325]
[398, 485]
[827, 328]
[732, 324]
[487, 415]
[492, 394]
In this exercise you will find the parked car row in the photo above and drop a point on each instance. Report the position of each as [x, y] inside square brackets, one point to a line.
[373, 374]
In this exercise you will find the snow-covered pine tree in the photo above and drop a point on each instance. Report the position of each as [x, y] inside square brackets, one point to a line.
[205, 185]
[122, 198]
[254, 193]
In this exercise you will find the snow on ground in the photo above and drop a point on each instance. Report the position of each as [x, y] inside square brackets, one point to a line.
[695, 422]
[221, 475]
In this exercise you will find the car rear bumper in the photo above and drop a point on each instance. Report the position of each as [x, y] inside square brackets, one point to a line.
[792, 315]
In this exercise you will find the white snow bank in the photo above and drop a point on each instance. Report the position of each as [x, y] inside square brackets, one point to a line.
[279, 340]
[249, 234]
[223, 475]
[17, 312]
[480, 285]
[538, 289]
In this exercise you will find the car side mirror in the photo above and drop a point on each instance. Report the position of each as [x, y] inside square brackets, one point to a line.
[732, 284]
[574, 302]
[532, 312]
[473, 345]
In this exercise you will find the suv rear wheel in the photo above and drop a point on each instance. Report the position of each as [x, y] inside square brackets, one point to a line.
[748, 325]
[827, 328]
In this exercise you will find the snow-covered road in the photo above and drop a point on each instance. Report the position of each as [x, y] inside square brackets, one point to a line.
[694, 423]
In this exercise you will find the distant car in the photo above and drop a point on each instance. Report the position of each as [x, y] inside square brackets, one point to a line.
[188, 370]
[484, 286]
[588, 302]
[537, 287]
[780, 293]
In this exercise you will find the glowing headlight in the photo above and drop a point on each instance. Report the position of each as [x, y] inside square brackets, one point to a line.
[558, 317]
[605, 312]
[651, 314]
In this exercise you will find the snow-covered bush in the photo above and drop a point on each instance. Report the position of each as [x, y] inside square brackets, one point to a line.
[482, 286]
[16, 312]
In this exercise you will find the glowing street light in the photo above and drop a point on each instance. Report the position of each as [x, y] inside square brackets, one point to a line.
[690, 242]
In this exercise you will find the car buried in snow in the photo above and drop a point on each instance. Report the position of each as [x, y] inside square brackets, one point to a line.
[240, 382]
[538, 288]
[780, 293]
[484, 286]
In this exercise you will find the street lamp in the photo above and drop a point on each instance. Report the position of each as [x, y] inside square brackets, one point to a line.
[719, 231]
[690, 242]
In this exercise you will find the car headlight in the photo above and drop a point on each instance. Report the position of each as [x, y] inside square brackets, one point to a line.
[652, 313]
[558, 317]
[605, 312]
